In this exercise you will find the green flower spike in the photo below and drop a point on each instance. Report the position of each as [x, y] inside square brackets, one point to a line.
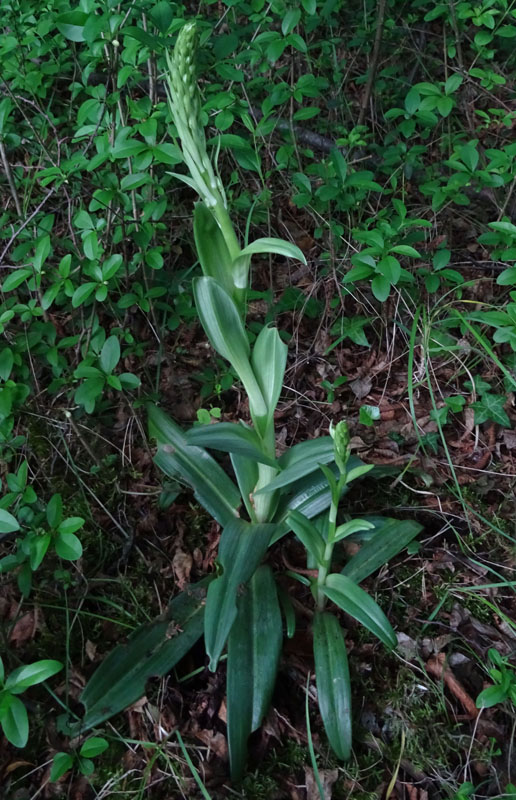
[185, 105]
[341, 438]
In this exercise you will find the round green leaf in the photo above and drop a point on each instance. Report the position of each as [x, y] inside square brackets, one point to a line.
[31, 674]
[62, 763]
[68, 546]
[93, 747]
[8, 523]
[15, 722]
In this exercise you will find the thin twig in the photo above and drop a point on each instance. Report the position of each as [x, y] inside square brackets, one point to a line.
[374, 60]
[24, 224]
[10, 180]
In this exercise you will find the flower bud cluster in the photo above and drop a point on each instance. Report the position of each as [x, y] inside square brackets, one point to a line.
[185, 104]
[341, 444]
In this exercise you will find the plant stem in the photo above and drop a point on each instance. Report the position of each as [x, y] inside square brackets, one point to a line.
[239, 270]
[264, 503]
[374, 60]
[330, 543]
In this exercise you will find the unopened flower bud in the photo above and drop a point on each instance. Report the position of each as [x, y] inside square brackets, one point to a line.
[341, 439]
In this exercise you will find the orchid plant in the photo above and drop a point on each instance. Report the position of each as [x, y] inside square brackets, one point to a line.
[242, 606]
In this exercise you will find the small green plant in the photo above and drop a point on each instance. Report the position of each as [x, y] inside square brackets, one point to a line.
[205, 416]
[379, 260]
[504, 686]
[13, 714]
[42, 529]
[81, 760]
[97, 369]
[330, 387]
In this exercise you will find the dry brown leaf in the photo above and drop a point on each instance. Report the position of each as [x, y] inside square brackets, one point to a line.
[327, 777]
[215, 741]
[361, 387]
[91, 650]
[182, 566]
[26, 627]
[15, 764]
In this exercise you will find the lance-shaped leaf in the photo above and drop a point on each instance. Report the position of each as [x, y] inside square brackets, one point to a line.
[273, 245]
[152, 651]
[308, 534]
[301, 460]
[231, 438]
[267, 245]
[311, 497]
[357, 472]
[254, 647]
[212, 487]
[211, 247]
[351, 527]
[223, 326]
[333, 684]
[246, 473]
[242, 547]
[268, 360]
[359, 605]
[390, 539]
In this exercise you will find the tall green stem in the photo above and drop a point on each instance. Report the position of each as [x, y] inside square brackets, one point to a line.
[330, 543]
[264, 504]
[220, 213]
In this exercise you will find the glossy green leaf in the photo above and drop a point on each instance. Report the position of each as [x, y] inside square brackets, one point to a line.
[230, 437]
[357, 472]
[110, 354]
[68, 546]
[310, 495]
[212, 487]
[254, 647]
[8, 523]
[82, 293]
[54, 511]
[392, 536]
[93, 747]
[333, 683]
[272, 245]
[307, 533]
[351, 527]
[246, 473]
[71, 24]
[342, 591]
[6, 363]
[211, 248]
[71, 525]
[62, 763]
[242, 547]
[152, 651]
[221, 321]
[14, 721]
[16, 277]
[301, 460]
[269, 360]
[491, 696]
[38, 549]
[30, 674]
